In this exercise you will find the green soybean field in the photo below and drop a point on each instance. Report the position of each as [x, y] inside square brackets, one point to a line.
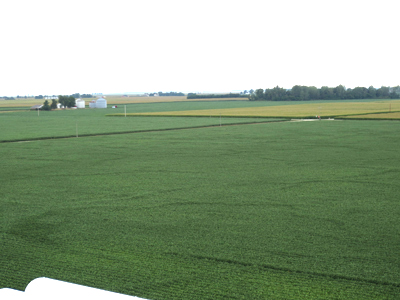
[277, 210]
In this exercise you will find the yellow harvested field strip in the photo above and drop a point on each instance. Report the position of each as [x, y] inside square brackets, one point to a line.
[21, 102]
[295, 110]
[127, 100]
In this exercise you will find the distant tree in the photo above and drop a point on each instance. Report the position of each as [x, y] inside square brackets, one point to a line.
[396, 89]
[313, 93]
[339, 92]
[371, 92]
[295, 92]
[171, 94]
[360, 93]
[383, 92]
[39, 97]
[53, 104]
[278, 94]
[76, 95]
[71, 102]
[300, 93]
[259, 94]
[46, 105]
[66, 101]
[394, 92]
[326, 93]
[349, 94]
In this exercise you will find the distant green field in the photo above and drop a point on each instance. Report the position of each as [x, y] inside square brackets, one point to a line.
[281, 210]
[28, 125]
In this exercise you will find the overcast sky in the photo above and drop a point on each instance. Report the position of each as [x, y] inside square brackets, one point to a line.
[119, 46]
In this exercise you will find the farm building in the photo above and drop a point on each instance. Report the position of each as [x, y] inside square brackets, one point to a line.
[80, 103]
[101, 103]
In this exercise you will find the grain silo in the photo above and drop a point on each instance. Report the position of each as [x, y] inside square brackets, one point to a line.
[80, 103]
[101, 103]
[92, 104]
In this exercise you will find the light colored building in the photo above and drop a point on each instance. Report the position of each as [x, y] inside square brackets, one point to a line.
[101, 103]
[80, 103]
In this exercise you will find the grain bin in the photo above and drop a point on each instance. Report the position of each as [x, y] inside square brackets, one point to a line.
[80, 103]
[101, 103]
[92, 104]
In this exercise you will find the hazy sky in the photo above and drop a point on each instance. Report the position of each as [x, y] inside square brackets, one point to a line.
[87, 46]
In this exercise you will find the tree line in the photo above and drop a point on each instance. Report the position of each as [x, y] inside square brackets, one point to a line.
[204, 96]
[161, 94]
[77, 95]
[302, 93]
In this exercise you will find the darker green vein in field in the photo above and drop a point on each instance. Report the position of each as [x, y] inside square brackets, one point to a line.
[272, 267]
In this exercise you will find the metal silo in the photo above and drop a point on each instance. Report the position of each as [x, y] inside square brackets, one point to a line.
[101, 103]
[80, 103]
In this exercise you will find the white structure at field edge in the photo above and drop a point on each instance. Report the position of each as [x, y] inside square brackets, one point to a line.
[99, 103]
[80, 103]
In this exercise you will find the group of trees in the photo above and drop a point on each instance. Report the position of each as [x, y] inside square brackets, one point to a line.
[77, 95]
[247, 92]
[203, 96]
[47, 106]
[300, 93]
[167, 94]
[66, 101]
